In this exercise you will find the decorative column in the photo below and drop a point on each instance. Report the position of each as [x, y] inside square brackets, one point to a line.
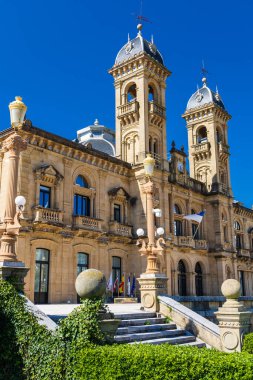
[234, 319]
[9, 229]
[152, 283]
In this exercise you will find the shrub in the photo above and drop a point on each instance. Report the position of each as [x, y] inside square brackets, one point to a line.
[248, 343]
[149, 362]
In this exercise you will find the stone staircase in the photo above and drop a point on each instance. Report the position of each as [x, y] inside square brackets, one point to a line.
[149, 328]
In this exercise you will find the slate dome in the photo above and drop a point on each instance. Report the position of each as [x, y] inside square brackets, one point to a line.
[204, 96]
[136, 46]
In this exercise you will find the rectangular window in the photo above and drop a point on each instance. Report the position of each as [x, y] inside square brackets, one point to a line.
[81, 205]
[178, 228]
[45, 196]
[117, 213]
[116, 271]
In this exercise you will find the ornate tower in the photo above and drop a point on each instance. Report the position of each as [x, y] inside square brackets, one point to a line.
[139, 78]
[206, 119]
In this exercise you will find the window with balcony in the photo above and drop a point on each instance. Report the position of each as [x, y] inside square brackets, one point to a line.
[45, 196]
[81, 205]
[238, 235]
[178, 228]
[117, 213]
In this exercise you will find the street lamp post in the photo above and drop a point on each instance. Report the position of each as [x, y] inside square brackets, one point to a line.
[152, 282]
[12, 206]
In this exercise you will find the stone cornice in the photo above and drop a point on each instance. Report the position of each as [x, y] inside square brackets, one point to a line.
[37, 137]
[141, 61]
[210, 109]
[242, 211]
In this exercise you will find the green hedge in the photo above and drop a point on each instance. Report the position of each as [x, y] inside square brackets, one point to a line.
[248, 343]
[29, 351]
[148, 362]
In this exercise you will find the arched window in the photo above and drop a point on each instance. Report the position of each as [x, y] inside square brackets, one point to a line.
[177, 209]
[237, 226]
[81, 181]
[81, 205]
[131, 93]
[228, 273]
[178, 228]
[181, 278]
[151, 94]
[198, 280]
[202, 135]
[41, 284]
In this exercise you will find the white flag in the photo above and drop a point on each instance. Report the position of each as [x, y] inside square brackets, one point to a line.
[110, 284]
[128, 287]
[195, 217]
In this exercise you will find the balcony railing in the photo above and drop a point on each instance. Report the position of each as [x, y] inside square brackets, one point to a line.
[202, 148]
[130, 107]
[48, 215]
[188, 241]
[155, 108]
[87, 222]
[243, 253]
[120, 229]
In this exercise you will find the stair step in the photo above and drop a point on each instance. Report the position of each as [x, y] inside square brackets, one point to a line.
[197, 343]
[145, 328]
[183, 339]
[148, 335]
[141, 321]
[140, 315]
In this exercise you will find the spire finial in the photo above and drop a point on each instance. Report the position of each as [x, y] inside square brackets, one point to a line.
[96, 122]
[139, 27]
[152, 39]
[204, 72]
[217, 91]
[128, 37]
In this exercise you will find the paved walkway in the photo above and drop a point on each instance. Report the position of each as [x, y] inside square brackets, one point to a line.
[61, 310]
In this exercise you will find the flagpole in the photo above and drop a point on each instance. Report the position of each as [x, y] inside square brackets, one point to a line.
[124, 285]
[118, 288]
[196, 231]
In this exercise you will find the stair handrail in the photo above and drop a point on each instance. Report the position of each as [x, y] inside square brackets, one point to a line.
[191, 321]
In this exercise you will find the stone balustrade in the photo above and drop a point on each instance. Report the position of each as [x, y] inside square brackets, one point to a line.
[202, 148]
[188, 241]
[130, 107]
[155, 108]
[87, 222]
[46, 215]
[120, 229]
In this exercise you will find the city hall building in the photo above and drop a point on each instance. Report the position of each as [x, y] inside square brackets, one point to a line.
[85, 199]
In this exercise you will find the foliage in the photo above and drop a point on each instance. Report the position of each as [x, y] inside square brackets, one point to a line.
[151, 362]
[168, 319]
[248, 343]
[28, 351]
[82, 325]
[147, 323]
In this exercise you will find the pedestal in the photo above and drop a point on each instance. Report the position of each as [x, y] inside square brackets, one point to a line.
[14, 272]
[234, 322]
[152, 285]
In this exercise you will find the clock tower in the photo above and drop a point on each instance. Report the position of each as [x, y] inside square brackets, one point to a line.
[139, 78]
[206, 120]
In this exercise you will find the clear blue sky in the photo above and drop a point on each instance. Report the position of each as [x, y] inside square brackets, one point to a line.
[56, 54]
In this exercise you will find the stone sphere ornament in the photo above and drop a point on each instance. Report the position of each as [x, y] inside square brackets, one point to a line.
[90, 283]
[231, 289]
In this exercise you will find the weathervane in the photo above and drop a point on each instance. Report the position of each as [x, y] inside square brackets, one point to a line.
[204, 72]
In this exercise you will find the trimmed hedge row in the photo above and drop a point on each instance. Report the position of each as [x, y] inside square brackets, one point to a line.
[248, 343]
[29, 351]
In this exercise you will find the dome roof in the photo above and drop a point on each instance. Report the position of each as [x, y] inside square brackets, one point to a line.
[204, 96]
[136, 46]
[97, 136]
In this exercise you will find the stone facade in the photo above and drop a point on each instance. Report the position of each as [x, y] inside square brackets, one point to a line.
[57, 176]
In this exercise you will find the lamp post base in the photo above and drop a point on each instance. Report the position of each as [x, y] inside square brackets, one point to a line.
[14, 272]
[152, 285]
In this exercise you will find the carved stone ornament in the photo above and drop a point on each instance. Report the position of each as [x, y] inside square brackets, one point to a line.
[14, 144]
[153, 48]
[48, 174]
[199, 97]
[129, 47]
